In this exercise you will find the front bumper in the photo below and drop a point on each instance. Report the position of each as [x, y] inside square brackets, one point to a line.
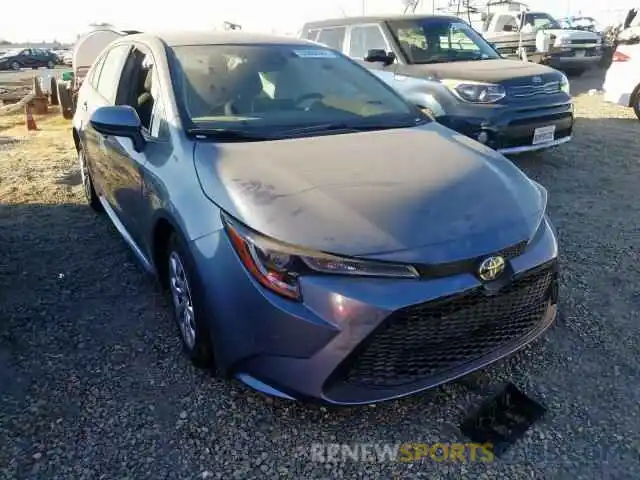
[562, 58]
[512, 130]
[349, 342]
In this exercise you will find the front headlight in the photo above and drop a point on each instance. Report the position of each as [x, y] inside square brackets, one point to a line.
[277, 266]
[476, 92]
[564, 84]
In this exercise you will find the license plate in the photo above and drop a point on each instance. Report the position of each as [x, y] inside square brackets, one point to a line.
[544, 134]
[580, 53]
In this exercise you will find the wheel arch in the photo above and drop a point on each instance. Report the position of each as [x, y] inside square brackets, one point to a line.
[163, 226]
[76, 139]
[634, 96]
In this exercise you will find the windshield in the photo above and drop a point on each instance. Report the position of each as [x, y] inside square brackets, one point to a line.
[539, 21]
[274, 88]
[436, 40]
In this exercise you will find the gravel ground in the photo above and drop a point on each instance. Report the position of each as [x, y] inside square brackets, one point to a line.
[93, 384]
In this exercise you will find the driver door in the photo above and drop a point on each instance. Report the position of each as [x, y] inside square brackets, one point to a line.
[365, 37]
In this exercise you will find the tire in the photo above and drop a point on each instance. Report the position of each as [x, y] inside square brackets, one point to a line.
[66, 103]
[636, 102]
[90, 194]
[15, 66]
[51, 65]
[187, 304]
[54, 92]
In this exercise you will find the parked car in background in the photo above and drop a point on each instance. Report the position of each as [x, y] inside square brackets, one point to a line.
[319, 236]
[445, 67]
[28, 58]
[573, 51]
[622, 81]
[65, 56]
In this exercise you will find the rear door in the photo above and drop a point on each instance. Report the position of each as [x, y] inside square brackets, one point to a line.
[103, 94]
[85, 108]
[26, 58]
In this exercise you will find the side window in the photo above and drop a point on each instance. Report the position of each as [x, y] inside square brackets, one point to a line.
[142, 92]
[504, 20]
[95, 72]
[332, 37]
[111, 70]
[365, 38]
[313, 34]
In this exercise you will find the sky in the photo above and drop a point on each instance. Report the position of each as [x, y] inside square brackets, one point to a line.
[277, 16]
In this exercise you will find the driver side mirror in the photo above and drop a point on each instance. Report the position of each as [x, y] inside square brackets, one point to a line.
[379, 55]
[119, 121]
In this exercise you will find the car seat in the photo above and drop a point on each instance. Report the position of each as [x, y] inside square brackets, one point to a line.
[145, 99]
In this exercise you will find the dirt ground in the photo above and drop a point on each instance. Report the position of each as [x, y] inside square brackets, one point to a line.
[93, 383]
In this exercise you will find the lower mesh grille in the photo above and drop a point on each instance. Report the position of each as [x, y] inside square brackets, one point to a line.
[425, 340]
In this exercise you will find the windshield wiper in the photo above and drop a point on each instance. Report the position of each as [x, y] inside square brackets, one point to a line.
[349, 127]
[228, 135]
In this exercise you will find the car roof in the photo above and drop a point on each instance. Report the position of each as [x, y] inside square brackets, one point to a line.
[175, 39]
[375, 19]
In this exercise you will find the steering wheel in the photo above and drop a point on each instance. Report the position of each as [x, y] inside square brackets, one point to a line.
[308, 96]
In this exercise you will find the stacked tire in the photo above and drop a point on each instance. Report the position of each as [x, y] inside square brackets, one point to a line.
[65, 99]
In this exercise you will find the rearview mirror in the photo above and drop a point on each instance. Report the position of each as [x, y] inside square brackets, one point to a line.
[379, 55]
[119, 121]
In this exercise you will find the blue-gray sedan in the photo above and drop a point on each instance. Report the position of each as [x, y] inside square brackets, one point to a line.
[321, 239]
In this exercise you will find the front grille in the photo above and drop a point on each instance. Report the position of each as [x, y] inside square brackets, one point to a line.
[582, 41]
[429, 339]
[525, 91]
[514, 250]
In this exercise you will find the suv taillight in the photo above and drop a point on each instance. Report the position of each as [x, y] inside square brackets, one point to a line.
[620, 57]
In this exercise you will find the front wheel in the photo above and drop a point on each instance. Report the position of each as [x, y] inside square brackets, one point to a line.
[187, 305]
[51, 65]
[15, 66]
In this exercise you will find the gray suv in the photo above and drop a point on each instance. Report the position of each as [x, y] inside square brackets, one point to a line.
[449, 70]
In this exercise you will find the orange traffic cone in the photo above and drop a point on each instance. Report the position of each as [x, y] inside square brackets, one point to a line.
[31, 123]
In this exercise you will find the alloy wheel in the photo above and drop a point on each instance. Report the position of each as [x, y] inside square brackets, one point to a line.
[182, 301]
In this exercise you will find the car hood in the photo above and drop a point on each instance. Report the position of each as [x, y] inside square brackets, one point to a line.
[494, 71]
[374, 193]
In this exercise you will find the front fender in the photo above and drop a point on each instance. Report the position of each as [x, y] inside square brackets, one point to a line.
[425, 93]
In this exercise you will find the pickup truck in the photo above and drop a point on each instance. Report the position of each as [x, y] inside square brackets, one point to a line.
[543, 39]
[452, 73]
